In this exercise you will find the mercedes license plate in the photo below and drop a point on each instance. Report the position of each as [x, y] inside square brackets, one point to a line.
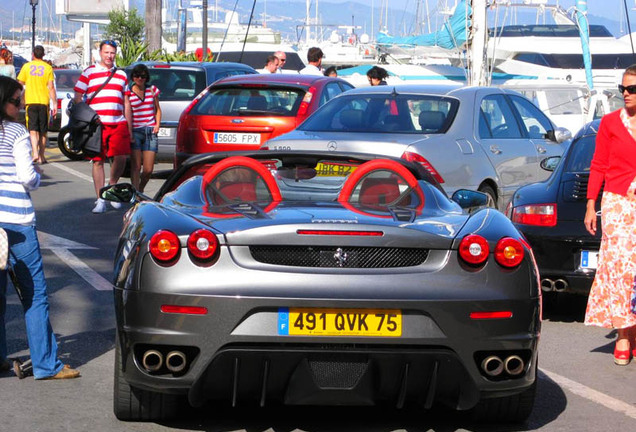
[589, 259]
[339, 322]
[164, 132]
[237, 138]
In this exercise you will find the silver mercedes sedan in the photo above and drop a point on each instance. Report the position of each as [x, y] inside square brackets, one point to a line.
[481, 138]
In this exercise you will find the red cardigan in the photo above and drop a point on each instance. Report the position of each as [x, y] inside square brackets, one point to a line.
[614, 158]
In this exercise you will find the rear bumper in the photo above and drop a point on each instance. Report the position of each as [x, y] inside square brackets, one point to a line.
[236, 356]
[557, 251]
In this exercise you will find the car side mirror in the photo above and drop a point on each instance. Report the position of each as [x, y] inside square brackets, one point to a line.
[558, 134]
[120, 192]
[550, 164]
[470, 200]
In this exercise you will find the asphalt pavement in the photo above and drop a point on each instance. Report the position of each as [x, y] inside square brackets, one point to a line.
[579, 388]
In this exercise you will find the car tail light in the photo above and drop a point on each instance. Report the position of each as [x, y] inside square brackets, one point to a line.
[59, 104]
[164, 246]
[414, 157]
[340, 233]
[474, 249]
[203, 244]
[491, 315]
[535, 214]
[304, 105]
[509, 252]
[187, 310]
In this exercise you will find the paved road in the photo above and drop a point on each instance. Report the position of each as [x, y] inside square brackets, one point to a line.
[579, 387]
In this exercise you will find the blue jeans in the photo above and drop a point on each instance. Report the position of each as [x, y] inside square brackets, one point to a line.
[144, 139]
[26, 261]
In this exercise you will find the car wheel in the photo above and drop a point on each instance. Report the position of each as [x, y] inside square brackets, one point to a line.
[66, 146]
[492, 196]
[133, 404]
[509, 409]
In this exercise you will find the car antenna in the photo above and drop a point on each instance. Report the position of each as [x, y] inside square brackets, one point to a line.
[394, 93]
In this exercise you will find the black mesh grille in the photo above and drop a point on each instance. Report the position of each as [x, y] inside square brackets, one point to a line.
[330, 373]
[345, 257]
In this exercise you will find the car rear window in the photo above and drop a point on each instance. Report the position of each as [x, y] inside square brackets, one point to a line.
[429, 114]
[66, 78]
[178, 84]
[250, 101]
[580, 157]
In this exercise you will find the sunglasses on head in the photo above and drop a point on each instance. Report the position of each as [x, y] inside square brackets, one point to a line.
[14, 101]
[631, 89]
[110, 42]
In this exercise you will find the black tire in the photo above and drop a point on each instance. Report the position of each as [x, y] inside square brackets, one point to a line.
[133, 404]
[492, 196]
[64, 143]
[509, 409]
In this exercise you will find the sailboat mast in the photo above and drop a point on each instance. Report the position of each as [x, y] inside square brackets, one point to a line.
[478, 66]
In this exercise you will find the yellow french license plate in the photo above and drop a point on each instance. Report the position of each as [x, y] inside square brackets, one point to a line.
[325, 169]
[339, 322]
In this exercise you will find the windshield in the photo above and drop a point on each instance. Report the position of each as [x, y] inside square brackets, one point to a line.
[409, 114]
[250, 101]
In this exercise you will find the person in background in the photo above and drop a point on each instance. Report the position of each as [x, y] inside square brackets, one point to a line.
[18, 176]
[614, 165]
[331, 71]
[271, 65]
[314, 57]
[282, 59]
[6, 63]
[143, 114]
[109, 105]
[377, 76]
[39, 81]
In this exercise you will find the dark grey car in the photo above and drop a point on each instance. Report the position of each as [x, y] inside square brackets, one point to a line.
[320, 278]
[481, 138]
[179, 83]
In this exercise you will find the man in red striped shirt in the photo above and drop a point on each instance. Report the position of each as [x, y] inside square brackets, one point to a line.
[109, 105]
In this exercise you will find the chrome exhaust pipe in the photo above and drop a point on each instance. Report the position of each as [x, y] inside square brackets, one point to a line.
[492, 366]
[547, 285]
[514, 365]
[560, 285]
[175, 361]
[152, 360]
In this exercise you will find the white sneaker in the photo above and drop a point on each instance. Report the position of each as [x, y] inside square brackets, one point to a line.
[116, 205]
[100, 206]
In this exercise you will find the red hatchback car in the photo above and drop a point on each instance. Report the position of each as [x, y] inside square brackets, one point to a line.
[243, 112]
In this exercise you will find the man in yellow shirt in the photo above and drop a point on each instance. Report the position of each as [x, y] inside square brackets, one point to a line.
[38, 79]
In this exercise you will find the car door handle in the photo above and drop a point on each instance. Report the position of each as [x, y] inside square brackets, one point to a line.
[494, 149]
[541, 149]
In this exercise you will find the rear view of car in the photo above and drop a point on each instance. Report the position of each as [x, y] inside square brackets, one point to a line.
[179, 83]
[550, 214]
[242, 113]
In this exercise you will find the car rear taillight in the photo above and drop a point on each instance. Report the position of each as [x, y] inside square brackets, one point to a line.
[474, 249]
[203, 244]
[164, 246]
[59, 104]
[535, 214]
[414, 157]
[304, 105]
[509, 252]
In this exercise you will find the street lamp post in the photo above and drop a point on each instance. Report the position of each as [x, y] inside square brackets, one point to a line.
[34, 3]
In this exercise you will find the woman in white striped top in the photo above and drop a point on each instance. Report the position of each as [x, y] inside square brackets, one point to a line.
[143, 113]
[18, 176]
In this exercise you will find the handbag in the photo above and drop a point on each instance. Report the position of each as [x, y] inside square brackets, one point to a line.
[84, 125]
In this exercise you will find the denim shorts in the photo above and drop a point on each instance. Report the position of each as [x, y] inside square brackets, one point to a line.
[144, 140]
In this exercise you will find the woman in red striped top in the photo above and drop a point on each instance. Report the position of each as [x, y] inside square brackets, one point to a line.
[143, 114]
